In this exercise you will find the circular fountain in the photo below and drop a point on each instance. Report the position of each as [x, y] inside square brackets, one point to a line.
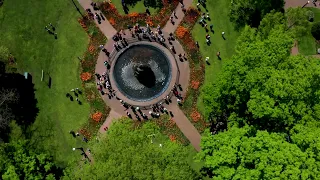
[142, 73]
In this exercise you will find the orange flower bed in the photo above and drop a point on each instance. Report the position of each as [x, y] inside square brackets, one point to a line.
[96, 116]
[82, 23]
[112, 21]
[149, 21]
[172, 138]
[181, 31]
[195, 115]
[134, 14]
[86, 76]
[85, 133]
[195, 84]
[91, 49]
[172, 122]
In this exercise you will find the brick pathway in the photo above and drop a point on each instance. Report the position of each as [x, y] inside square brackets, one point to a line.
[117, 110]
[169, 27]
[296, 3]
[105, 27]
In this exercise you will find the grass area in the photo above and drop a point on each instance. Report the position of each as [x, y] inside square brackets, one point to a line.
[307, 44]
[138, 7]
[22, 31]
[218, 10]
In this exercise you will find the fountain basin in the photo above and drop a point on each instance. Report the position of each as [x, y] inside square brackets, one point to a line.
[143, 72]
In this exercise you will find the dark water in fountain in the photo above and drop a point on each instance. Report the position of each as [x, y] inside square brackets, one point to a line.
[142, 72]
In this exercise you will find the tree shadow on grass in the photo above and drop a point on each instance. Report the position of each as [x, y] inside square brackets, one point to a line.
[25, 108]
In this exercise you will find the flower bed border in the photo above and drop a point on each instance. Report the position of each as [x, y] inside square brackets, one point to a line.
[87, 69]
[120, 22]
[167, 127]
[197, 67]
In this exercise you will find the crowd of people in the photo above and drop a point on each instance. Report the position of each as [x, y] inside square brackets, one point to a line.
[155, 110]
[103, 84]
[95, 15]
[205, 17]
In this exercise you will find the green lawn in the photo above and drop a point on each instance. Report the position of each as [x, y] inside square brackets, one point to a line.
[218, 10]
[138, 7]
[22, 31]
[307, 44]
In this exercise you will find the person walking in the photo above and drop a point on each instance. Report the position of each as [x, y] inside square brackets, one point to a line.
[222, 34]
[179, 101]
[207, 59]
[218, 54]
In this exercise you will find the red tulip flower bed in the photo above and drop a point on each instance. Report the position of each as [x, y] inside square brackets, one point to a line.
[168, 127]
[197, 67]
[98, 109]
[120, 22]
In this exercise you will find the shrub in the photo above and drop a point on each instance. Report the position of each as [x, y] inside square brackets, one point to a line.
[96, 116]
[85, 76]
[315, 30]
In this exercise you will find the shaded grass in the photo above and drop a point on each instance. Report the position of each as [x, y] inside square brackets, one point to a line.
[138, 7]
[307, 44]
[218, 10]
[22, 31]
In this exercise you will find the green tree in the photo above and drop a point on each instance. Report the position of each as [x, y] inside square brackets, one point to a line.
[250, 12]
[126, 153]
[270, 21]
[306, 137]
[297, 20]
[17, 161]
[315, 30]
[248, 154]
[262, 85]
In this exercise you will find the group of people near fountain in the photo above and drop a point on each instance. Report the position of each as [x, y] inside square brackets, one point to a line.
[147, 33]
[156, 109]
[104, 83]
[119, 40]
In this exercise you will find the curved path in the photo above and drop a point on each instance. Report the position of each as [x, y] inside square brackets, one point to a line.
[117, 110]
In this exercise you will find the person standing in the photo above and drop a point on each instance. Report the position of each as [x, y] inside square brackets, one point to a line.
[207, 59]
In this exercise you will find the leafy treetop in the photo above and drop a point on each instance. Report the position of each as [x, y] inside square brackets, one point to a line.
[126, 153]
[262, 85]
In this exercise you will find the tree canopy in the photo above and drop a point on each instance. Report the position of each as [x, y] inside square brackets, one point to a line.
[126, 153]
[262, 85]
[243, 153]
[250, 12]
[19, 161]
[297, 21]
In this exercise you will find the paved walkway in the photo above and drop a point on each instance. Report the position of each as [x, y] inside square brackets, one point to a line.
[295, 49]
[117, 110]
[169, 27]
[105, 27]
[296, 3]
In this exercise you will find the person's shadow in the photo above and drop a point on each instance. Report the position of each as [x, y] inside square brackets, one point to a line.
[208, 63]
[171, 114]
